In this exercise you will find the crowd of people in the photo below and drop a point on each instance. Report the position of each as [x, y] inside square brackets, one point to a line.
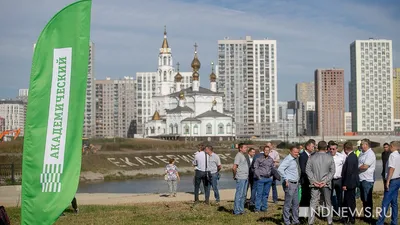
[318, 175]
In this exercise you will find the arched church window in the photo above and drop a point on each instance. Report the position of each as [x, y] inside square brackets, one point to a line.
[186, 129]
[165, 60]
[169, 61]
[152, 130]
[176, 128]
[228, 128]
[195, 129]
[220, 128]
[165, 75]
[209, 129]
[171, 129]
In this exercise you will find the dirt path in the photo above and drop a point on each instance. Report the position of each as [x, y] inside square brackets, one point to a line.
[10, 197]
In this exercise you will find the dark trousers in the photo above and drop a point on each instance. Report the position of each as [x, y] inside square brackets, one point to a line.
[366, 189]
[349, 205]
[74, 204]
[337, 200]
[305, 195]
[274, 191]
[198, 178]
[250, 185]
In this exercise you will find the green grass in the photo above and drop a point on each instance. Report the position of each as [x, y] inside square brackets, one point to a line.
[176, 213]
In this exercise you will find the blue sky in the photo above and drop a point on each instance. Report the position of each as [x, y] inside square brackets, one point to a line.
[128, 33]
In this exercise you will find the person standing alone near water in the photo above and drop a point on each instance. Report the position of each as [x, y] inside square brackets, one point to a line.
[171, 171]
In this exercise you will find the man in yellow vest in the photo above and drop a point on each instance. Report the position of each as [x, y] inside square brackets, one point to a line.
[358, 150]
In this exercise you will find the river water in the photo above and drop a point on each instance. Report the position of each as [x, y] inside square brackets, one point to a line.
[158, 185]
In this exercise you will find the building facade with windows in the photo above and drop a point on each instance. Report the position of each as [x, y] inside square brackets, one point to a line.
[305, 92]
[329, 107]
[115, 107]
[2, 124]
[247, 75]
[89, 121]
[14, 114]
[396, 93]
[371, 87]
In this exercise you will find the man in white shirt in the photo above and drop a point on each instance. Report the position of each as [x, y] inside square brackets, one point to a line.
[392, 185]
[366, 166]
[200, 148]
[339, 160]
[201, 175]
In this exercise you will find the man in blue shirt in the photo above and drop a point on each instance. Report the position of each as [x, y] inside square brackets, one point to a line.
[290, 173]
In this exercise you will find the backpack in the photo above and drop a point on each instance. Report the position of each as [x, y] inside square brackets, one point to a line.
[4, 220]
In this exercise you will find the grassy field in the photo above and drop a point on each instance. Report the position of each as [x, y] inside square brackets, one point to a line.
[176, 213]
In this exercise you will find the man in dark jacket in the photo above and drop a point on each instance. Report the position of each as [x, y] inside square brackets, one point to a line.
[251, 158]
[350, 181]
[304, 182]
[385, 157]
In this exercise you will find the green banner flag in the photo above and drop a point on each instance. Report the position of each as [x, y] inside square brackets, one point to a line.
[54, 122]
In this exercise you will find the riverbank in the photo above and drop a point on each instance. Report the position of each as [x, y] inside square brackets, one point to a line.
[10, 197]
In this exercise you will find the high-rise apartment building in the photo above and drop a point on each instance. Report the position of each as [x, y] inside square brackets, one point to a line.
[126, 101]
[311, 118]
[305, 92]
[115, 107]
[329, 93]
[286, 127]
[396, 99]
[347, 122]
[159, 83]
[396, 93]
[371, 87]
[247, 74]
[89, 122]
[14, 114]
[105, 96]
[2, 124]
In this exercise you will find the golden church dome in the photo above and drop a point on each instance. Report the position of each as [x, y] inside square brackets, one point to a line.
[195, 62]
[213, 77]
[156, 116]
[195, 75]
[178, 76]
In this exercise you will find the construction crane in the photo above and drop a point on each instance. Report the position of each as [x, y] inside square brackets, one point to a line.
[15, 133]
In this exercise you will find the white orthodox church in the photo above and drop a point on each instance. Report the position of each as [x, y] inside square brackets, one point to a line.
[191, 113]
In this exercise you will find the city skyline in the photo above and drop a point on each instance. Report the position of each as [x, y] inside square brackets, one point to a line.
[302, 32]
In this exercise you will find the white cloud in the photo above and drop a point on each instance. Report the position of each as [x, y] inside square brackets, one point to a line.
[127, 34]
